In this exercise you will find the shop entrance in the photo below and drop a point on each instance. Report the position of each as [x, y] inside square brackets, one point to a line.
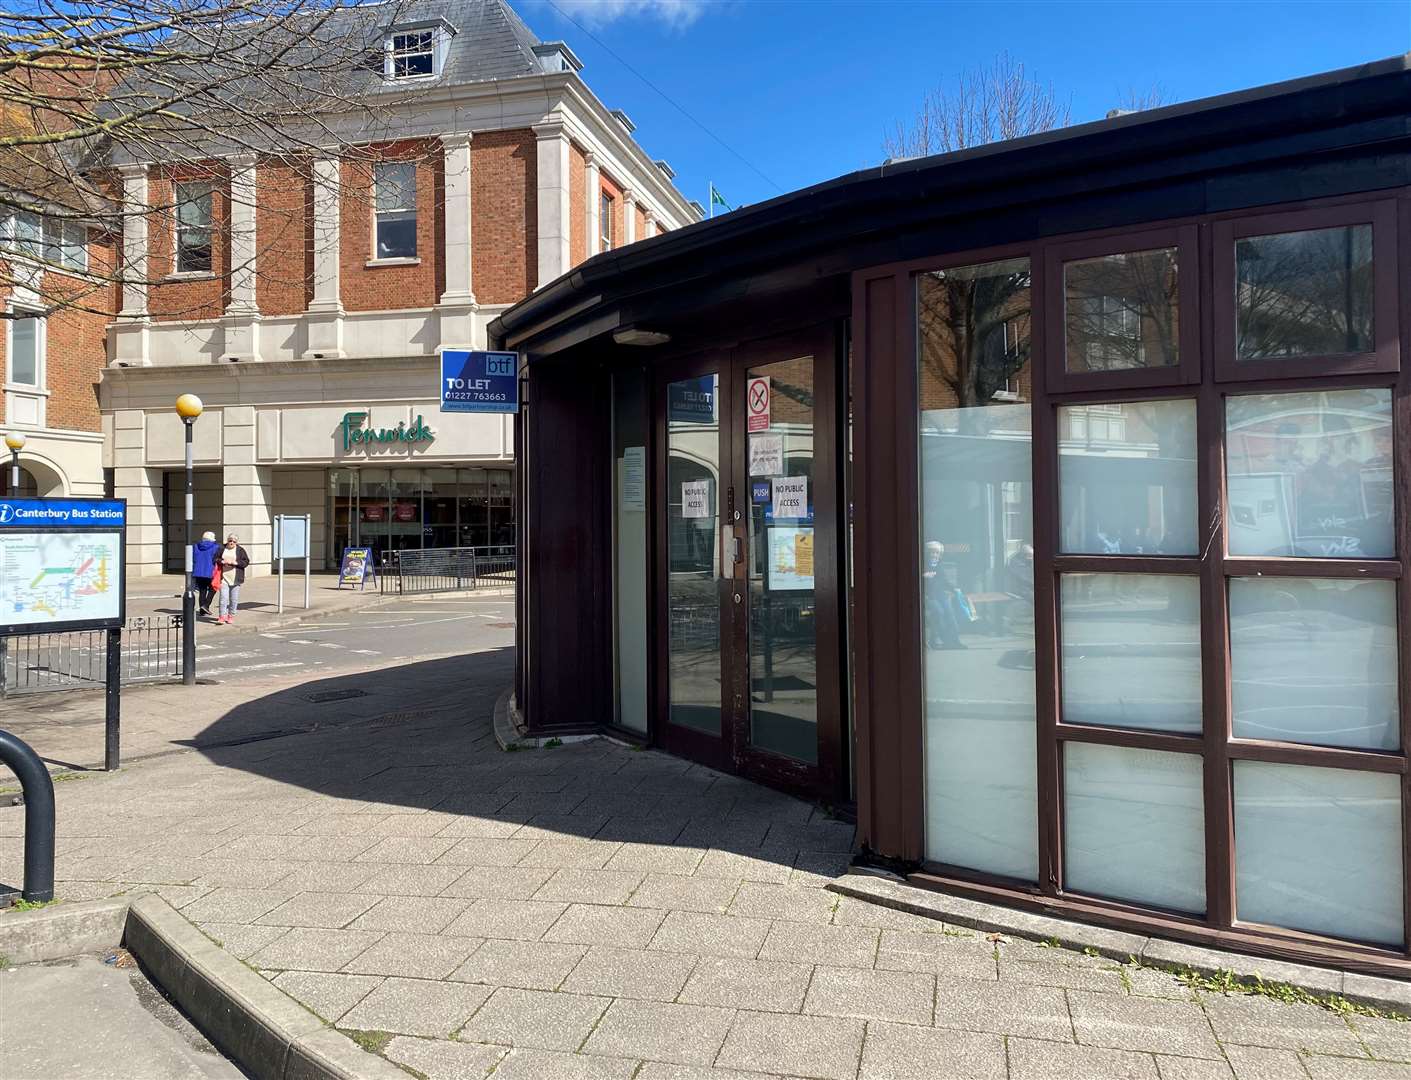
[748, 562]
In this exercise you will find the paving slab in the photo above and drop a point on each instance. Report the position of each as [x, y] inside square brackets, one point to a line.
[677, 1034]
[527, 965]
[906, 997]
[535, 1018]
[907, 1052]
[631, 973]
[417, 1007]
[1032, 1059]
[736, 983]
[443, 1059]
[795, 1045]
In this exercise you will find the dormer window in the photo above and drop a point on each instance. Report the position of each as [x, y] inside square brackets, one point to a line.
[416, 51]
[412, 55]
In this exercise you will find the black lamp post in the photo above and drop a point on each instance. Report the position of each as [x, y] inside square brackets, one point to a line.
[15, 441]
[188, 407]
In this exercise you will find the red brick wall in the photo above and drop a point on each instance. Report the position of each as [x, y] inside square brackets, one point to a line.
[641, 233]
[283, 236]
[504, 214]
[76, 348]
[196, 298]
[375, 288]
[577, 211]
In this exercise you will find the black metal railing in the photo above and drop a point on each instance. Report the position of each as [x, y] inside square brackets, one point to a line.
[446, 569]
[77, 659]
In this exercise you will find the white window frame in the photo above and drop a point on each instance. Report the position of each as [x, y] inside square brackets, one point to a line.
[183, 193]
[405, 210]
[606, 205]
[406, 45]
[66, 243]
[30, 247]
[41, 350]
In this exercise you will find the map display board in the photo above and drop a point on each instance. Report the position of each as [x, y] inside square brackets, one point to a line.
[61, 564]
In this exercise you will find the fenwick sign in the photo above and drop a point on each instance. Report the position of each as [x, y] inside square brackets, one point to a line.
[355, 434]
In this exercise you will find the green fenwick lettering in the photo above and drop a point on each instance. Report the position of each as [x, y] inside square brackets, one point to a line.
[354, 434]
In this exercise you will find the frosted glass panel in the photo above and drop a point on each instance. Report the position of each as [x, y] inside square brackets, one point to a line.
[1313, 660]
[1319, 850]
[1127, 478]
[1134, 825]
[1131, 651]
[978, 573]
[1311, 474]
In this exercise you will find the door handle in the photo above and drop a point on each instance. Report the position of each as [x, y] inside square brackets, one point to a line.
[738, 546]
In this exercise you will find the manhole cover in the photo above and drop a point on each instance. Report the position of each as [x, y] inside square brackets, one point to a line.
[335, 695]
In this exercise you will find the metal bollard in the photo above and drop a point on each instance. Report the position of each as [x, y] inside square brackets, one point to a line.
[38, 816]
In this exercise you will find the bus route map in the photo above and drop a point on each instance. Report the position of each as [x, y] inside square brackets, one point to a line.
[52, 577]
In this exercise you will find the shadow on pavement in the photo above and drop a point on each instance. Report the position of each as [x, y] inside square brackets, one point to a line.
[419, 738]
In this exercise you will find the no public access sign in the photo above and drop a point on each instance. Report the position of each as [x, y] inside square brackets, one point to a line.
[757, 404]
[474, 381]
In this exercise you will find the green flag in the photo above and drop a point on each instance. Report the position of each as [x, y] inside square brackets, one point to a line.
[716, 199]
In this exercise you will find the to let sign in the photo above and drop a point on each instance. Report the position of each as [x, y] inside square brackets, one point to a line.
[486, 382]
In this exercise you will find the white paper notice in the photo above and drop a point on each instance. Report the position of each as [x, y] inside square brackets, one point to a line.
[695, 499]
[790, 497]
[766, 455]
[634, 478]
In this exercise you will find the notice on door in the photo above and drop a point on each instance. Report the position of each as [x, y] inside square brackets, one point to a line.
[757, 403]
[790, 559]
[790, 497]
[695, 499]
[634, 478]
[766, 455]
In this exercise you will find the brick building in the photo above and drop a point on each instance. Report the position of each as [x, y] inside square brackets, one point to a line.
[56, 264]
[305, 297]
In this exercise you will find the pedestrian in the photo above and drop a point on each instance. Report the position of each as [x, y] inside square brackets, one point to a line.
[203, 568]
[233, 560]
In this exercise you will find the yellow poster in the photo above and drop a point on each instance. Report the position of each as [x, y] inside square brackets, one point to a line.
[803, 553]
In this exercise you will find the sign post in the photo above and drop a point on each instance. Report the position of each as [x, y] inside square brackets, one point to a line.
[62, 567]
[291, 541]
[479, 382]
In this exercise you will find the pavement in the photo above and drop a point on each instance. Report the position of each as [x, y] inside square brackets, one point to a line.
[597, 911]
[129, 1031]
[252, 682]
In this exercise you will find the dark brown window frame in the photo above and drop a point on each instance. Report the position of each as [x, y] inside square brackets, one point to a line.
[1055, 254]
[1213, 565]
[1385, 356]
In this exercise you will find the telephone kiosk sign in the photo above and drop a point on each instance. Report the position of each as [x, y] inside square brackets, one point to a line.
[479, 382]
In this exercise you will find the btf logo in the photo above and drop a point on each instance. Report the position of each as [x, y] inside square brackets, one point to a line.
[7, 513]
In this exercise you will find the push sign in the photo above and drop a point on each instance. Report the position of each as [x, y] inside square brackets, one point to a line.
[485, 382]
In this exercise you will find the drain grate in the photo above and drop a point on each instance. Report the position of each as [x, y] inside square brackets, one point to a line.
[335, 695]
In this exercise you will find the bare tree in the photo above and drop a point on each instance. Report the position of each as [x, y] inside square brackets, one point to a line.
[1134, 100]
[86, 87]
[986, 104]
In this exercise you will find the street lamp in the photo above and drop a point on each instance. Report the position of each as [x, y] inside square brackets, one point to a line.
[15, 441]
[188, 407]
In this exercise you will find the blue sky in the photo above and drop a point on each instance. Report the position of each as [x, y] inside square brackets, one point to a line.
[804, 90]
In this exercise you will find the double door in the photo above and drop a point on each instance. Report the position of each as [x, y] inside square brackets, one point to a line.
[748, 561]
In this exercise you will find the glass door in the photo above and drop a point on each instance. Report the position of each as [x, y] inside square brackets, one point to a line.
[694, 567]
[787, 728]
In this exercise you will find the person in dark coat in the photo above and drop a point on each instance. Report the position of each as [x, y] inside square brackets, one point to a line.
[203, 568]
[233, 561]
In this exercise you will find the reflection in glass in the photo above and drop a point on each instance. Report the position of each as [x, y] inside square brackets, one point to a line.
[1313, 660]
[1319, 850]
[1304, 293]
[783, 611]
[1127, 478]
[1134, 825]
[629, 536]
[1310, 474]
[693, 552]
[1131, 651]
[978, 571]
[1121, 311]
